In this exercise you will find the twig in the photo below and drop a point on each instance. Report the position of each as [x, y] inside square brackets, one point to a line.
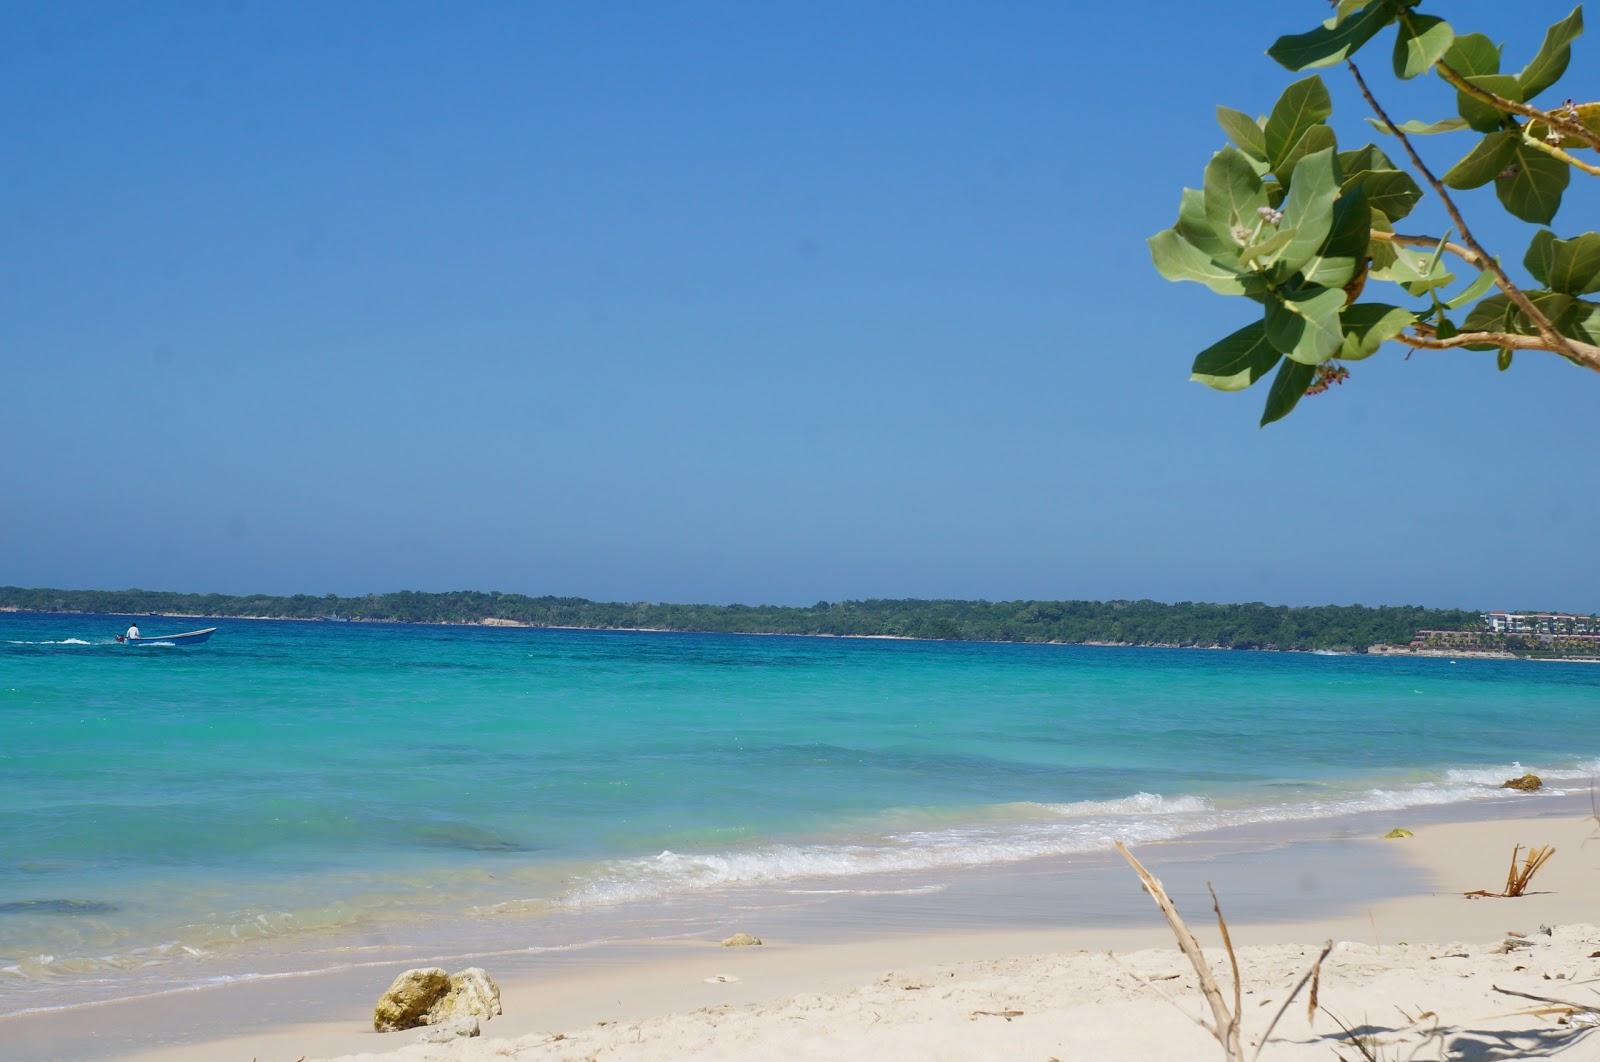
[1233, 961]
[1316, 967]
[1466, 254]
[1564, 126]
[1227, 1026]
[1350, 1034]
[1543, 999]
[1584, 354]
[1558, 152]
[1508, 340]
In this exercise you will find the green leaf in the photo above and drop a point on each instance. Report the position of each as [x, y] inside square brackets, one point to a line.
[1309, 207]
[1288, 387]
[1317, 138]
[1472, 292]
[1332, 41]
[1345, 8]
[1471, 54]
[1243, 131]
[1484, 162]
[1422, 41]
[1420, 128]
[1554, 55]
[1236, 361]
[1494, 314]
[1305, 327]
[1303, 104]
[1484, 117]
[1502, 360]
[1366, 157]
[1382, 252]
[1532, 187]
[1558, 307]
[1391, 191]
[1233, 193]
[1267, 252]
[1417, 276]
[1177, 259]
[1571, 266]
[1195, 228]
[1335, 263]
[1586, 322]
[1541, 255]
[1369, 325]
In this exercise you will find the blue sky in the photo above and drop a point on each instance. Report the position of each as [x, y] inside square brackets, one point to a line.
[709, 303]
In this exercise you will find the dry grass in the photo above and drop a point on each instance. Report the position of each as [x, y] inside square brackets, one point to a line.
[1225, 1023]
[1517, 878]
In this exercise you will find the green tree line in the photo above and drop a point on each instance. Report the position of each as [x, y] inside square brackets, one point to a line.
[1186, 623]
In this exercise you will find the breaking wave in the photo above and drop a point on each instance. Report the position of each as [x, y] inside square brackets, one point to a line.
[1039, 830]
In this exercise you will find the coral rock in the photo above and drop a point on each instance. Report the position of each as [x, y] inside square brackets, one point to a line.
[405, 1005]
[473, 994]
[1527, 783]
[741, 940]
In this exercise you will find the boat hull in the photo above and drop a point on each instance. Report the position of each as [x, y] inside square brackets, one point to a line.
[186, 638]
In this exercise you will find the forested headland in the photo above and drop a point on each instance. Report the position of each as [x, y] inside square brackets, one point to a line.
[1186, 623]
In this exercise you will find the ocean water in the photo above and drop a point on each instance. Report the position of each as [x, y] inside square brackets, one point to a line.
[294, 782]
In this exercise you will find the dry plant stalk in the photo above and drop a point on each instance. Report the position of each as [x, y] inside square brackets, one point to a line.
[1517, 878]
[1225, 1024]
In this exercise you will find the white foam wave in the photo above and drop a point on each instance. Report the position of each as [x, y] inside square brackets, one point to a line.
[1495, 775]
[64, 641]
[1056, 830]
[1137, 804]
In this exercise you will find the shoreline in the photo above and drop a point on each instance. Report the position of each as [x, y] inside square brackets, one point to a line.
[495, 622]
[1261, 874]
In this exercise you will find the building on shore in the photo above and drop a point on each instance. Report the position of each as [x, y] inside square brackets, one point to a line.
[1540, 624]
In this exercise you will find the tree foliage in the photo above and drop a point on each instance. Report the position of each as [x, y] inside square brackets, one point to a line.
[1286, 219]
[1246, 626]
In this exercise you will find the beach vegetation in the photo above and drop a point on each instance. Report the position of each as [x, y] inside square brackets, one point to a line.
[1319, 235]
[1251, 625]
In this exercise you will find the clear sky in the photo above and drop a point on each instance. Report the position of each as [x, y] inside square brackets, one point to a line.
[711, 302]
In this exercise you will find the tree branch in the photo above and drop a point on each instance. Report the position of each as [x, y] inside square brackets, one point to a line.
[1555, 341]
[1565, 126]
[1585, 354]
[1558, 152]
[1466, 254]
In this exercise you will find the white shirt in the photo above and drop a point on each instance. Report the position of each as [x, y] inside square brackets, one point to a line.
[133, 632]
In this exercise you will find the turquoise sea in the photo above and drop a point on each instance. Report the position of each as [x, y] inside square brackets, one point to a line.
[292, 782]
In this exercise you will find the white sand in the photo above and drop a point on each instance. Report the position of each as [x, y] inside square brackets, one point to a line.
[1417, 972]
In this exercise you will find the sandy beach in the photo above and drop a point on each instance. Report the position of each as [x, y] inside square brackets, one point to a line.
[1415, 972]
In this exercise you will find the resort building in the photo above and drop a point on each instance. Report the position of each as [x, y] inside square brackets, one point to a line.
[1540, 624]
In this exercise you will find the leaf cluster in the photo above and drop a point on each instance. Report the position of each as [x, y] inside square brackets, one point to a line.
[1287, 220]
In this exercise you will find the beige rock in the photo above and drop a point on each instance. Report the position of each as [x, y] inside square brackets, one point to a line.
[472, 994]
[741, 940]
[405, 1005]
[1527, 783]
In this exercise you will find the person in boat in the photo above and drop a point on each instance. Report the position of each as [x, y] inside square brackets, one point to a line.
[133, 631]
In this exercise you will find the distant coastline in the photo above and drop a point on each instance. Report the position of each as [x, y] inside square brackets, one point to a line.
[1142, 623]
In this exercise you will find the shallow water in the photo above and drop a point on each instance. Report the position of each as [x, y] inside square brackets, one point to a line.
[313, 782]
